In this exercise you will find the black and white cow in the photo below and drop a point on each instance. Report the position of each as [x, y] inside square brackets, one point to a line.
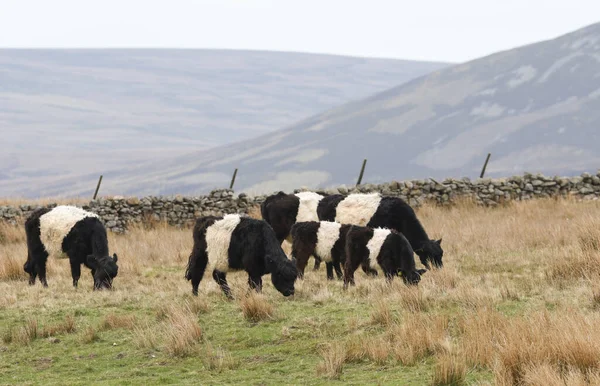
[325, 240]
[74, 232]
[281, 211]
[385, 248]
[232, 243]
[374, 211]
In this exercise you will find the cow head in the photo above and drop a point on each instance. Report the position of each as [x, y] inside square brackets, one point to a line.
[104, 270]
[431, 252]
[412, 277]
[284, 278]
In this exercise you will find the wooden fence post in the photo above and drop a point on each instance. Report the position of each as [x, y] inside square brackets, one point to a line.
[362, 171]
[97, 187]
[485, 165]
[233, 179]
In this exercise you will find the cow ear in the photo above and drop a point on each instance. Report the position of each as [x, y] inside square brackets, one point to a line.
[91, 261]
[115, 257]
[439, 241]
[421, 271]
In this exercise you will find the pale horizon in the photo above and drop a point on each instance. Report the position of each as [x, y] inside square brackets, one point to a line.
[432, 30]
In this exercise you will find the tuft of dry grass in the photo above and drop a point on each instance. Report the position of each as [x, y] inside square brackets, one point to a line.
[67, 326]
[25, 334]
[217, 359]
[255, 307]
[516, 347]
[412, 298]
[449, 370]
[333, 358]
[112, 321]
[198, 305]
[547, 375]
[381, 313]
[11, 268]
[90, 335]
[11, 234]
[418, 336]
[146, 337]
[181, 332]
[596, 298]
[478, 337]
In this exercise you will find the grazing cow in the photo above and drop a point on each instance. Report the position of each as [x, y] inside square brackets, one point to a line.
[324, 240]
[231, 243]
[374, 211]
[71, 231]
[384, 247]
[281, 211]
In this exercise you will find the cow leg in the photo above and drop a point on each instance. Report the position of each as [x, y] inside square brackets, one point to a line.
[388, 270]
[368, 270]
[36, 254]
[301, 265]
[197, 273]
[329, 267]
[32, 276]
[349, 269]
[75, 271]
[29, 267]
[317, 263]
[255, 282]
[301, 255]
[196, 265]
[221, 279]
[40, 267]
[338, 270]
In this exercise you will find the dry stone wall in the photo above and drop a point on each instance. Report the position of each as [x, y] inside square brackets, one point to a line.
[119, 213]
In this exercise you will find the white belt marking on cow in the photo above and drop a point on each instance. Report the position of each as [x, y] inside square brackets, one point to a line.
[357, 209]
[218, 238]
[327, 235]
[374, 245]
[56, 225]
[307, 208]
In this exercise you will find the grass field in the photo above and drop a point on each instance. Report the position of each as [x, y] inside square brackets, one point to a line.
[517, 302]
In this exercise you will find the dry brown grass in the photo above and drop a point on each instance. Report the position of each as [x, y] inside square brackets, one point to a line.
[418, 336]
[449, 370]
[181, 332]
[217, 359]
[27, 333]
[520, 348]
[517, 299]
[146, 337]
[255, 307]
[333, 359]
[10, 234]
[16, 201]
[382, 314]
[89, 335]
[11, 268]
[112, 321]
[65, 327]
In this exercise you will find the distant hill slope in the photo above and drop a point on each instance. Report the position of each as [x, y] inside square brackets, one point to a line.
[535, 108]
[67, 112]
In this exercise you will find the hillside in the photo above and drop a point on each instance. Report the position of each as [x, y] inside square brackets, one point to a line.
[535, 108]
[67, 112]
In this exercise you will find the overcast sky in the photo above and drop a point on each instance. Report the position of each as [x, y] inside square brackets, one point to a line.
[446, 30]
